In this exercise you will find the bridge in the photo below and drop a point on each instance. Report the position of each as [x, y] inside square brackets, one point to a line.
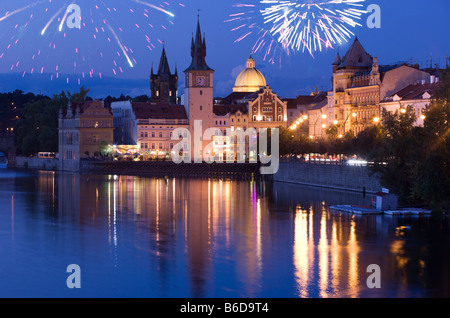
[8, 147]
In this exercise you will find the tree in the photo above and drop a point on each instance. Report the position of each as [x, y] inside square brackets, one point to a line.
[432, 171]
[105, 148]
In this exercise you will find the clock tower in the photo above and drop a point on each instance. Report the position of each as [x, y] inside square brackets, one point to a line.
[199, 94]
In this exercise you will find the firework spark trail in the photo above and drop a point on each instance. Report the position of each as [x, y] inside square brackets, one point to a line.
[120, 44]
[154, 7]
[10, 14]
[53, 19]
[299, 25]
[107, 24]
[64, 18]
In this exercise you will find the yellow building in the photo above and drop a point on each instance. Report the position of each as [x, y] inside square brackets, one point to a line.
[83, 127]
[359, 84]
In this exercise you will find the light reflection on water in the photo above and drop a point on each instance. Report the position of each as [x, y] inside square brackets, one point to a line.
[167, 237]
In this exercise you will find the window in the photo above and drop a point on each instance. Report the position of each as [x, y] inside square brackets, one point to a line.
[201, 92]
[153, 145]
[201, 107]
[160, 146]
[153, 134]
[160, 135]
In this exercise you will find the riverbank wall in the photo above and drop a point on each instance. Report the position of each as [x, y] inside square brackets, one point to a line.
[333, 176]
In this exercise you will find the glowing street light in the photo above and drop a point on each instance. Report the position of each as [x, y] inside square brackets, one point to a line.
[376, 120]
[402, 110]
[353, 114]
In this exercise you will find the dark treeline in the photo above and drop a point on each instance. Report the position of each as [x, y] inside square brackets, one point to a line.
[33, 119]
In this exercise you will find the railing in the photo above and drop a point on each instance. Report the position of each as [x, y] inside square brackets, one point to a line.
[163, 122]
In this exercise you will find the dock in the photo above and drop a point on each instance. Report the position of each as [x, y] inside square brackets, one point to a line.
[352, 209]
[367, 210]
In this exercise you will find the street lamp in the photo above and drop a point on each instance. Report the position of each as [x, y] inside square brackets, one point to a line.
[353, 114]
[376, 120]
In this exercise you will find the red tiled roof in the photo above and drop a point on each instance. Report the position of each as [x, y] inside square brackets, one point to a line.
[158, 111]
[222, 110]
[306, 100]
[416, 91]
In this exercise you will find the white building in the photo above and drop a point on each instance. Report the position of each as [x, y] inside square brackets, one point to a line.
[417, 96]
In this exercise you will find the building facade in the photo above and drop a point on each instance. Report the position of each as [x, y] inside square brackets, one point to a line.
[83, 128]
[418, 97]
[359, 84]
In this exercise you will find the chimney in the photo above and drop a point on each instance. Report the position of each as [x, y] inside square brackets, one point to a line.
[432, 79]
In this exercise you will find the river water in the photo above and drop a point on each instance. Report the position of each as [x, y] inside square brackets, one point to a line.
[173, 237]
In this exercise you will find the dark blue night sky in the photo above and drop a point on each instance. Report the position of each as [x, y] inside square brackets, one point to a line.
[55, 61]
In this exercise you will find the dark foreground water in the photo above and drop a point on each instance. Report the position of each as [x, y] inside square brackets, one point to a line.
[166, 237]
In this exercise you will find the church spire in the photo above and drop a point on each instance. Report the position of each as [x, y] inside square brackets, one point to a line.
[163, 68]
[198, 52]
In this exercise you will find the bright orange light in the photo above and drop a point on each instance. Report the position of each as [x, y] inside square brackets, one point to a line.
[402, 110]
[335, 122]
[376, 119]
[324, 116]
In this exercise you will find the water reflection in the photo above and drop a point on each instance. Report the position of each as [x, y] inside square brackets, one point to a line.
[169, 237]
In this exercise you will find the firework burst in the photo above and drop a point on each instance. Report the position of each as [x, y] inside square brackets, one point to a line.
[297, 26]
[38, 37]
